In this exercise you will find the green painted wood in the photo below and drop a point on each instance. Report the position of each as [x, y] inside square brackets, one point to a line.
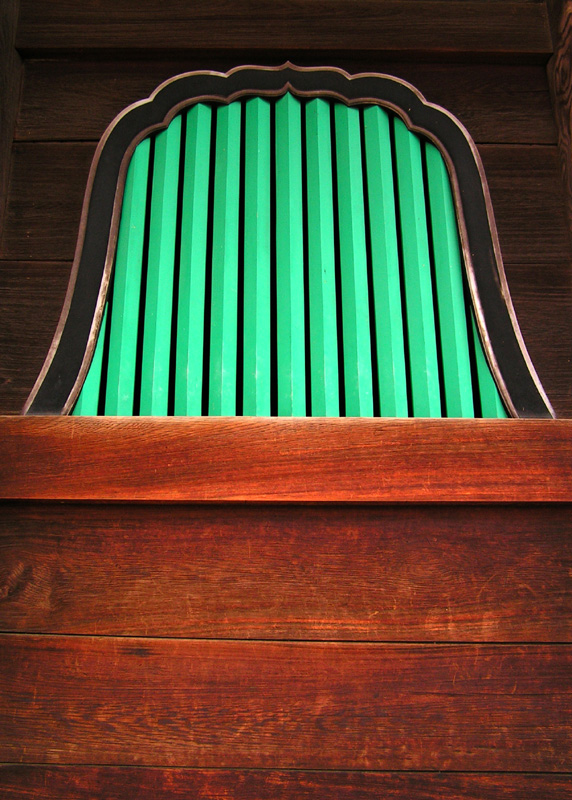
[256, 350]
[192, 269]
[358, 377]
[388, 314]
[421, 337]
[325, 399]
[120, 388]
[492, 406]
[224, 305]
[455, 358]
[290, 322]
[160, 273]
[87, 404]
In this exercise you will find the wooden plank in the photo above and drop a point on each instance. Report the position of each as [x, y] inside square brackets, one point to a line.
[10, 91]
[49, 180]
[515, 29]
[22, 782]
[224, 305]
[31, 299]
[558, 72]
[396, 573]
[310, 459]
[283, 704]
[496, 102]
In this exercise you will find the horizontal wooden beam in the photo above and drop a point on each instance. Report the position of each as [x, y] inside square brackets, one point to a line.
[511, 29]
[327, 705]
[477, 573]
[285, 459]
[20, 781]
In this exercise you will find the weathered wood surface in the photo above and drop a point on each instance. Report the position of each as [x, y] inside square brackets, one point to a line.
[285, 459]
[10, 84]
[299, 705]
[513, 29]
[23, 782]
[49, 181]
[559, 73]
[497, 103]
[31, 299]
[405, 573]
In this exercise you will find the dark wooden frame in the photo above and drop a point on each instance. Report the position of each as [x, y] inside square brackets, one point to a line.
[61, 378]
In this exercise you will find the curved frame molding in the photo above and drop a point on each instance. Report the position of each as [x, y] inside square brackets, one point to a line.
[67, 363]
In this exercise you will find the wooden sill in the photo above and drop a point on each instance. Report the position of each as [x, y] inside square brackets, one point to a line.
[274, 460]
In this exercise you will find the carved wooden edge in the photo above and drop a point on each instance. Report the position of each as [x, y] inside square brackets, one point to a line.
[316, 460]
[62, 375]
[560, 80]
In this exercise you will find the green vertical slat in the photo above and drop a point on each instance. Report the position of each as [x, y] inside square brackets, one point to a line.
[87, 403]
[160, 273]
[450, 293]
[353, 264]
[289, 260]
[119, 397]
[192, 270]
[424, 370]
[385, 265]
[224, 308]
[325, 400]
[491, 404]
[256, 398]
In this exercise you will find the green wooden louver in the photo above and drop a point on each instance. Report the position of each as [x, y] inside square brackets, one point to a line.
[288, 257]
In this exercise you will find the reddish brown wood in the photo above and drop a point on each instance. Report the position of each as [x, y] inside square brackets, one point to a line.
[517, 29]
[497, 103]
[312, 459]
[406, 573]
[236, 704]
[31, 299]
[84, 783]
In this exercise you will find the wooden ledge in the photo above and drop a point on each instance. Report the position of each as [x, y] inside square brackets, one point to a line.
[299, 460]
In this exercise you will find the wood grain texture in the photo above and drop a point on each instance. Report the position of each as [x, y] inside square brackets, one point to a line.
[285, 459]
[10, 82]
[497, 103]
[528, 203]
[560, 77]
[49, 181]
[23, 782]
[46, 196]
[286, 705]
[517, 29]
[31, 300]
[405, 573]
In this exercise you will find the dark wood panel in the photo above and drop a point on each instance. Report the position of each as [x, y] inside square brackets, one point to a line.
[21, 782]
[528, 203]
[49, 181]
[44, 205]
[78, 99]
[31, 300]
[514, 28]
[406, 573]
[559, 71]
[280, 459]
[10, 80]
[219, 704]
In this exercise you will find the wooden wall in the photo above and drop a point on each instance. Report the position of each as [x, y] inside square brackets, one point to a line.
[391, 614]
